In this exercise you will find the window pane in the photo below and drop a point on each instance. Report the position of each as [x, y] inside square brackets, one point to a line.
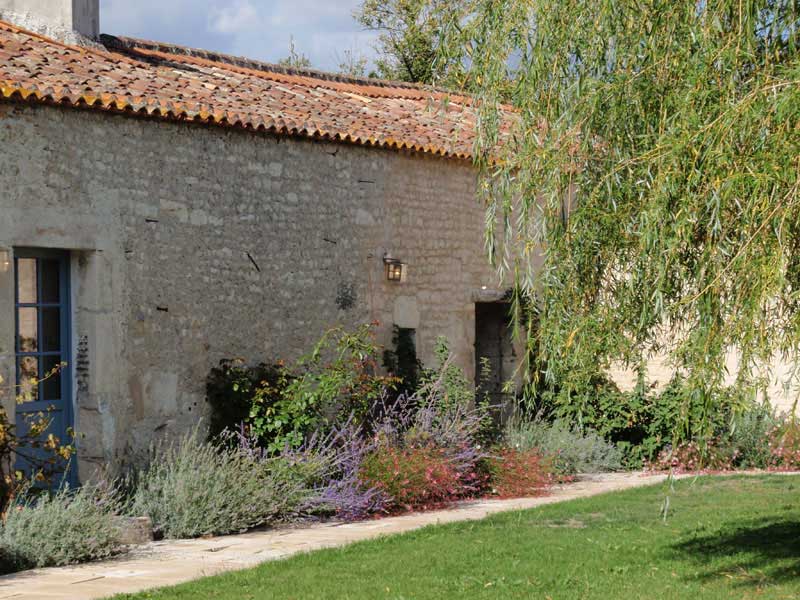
[51, 385]
[26, 276]
[51, 330]
[28, 330]
[28, 390]
[51, 282]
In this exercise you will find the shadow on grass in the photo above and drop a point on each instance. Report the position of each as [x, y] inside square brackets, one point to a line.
[751, 553]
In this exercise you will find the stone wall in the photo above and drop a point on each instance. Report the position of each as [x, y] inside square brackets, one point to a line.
[192, 244]
[781, 381]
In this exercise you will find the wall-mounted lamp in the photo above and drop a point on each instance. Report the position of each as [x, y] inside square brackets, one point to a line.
[395, 270]
[5, 261]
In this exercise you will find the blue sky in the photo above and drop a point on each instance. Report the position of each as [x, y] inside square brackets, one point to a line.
[260, 29]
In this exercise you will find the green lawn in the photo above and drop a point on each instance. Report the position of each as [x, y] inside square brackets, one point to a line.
[725, 538]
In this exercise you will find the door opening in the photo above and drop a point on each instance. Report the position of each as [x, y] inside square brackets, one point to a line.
[495, 357]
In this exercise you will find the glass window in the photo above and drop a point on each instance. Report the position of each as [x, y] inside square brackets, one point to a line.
[26, 281]
[51, 374]
[51, 281]
[28, 337]
[51, 329]
[28, 375]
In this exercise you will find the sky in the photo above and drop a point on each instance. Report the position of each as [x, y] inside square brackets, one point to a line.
[259, 29]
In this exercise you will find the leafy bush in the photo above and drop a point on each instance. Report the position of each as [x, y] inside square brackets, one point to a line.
[515, 473]
[233, 388]
[346, 442]
[193, 488]
[644, 421]
[568, 450]
[61, 528]
[335, 382]
[750, 437]
[402, 361]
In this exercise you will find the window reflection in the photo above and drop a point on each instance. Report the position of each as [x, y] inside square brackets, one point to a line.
[26, 277]
[28, 330]
[28, 376]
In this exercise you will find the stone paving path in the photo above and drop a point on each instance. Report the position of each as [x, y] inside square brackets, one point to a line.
[171, 562]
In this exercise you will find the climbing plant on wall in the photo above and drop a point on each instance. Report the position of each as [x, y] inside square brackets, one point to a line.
[652, 159]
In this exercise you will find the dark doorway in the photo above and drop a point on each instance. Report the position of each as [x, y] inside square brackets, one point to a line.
[43, 334]
[494, 349]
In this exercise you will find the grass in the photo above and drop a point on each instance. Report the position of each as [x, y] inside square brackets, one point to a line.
[736, 537]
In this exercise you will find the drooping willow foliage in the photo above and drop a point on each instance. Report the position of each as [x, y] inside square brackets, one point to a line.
[646, 188]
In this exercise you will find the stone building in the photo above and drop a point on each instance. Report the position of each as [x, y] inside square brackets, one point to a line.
[163, 208]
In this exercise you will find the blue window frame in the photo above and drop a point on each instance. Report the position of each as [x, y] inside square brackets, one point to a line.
[43, 344]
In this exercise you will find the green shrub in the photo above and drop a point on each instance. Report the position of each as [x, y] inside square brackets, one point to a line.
[642, 422]
[447, 391]
[280, 406]
[60, 528]
[448, 379]
[568, 450]
[233, 388]
[750, 435]
[402, 361]
[193, 488]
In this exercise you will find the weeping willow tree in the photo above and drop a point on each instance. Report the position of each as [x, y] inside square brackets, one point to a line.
[646, 187]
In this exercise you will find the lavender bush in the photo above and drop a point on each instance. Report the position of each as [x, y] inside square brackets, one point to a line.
[440, 415]
[329, 461]
[193, 488]
[65, 527]
[344, 492]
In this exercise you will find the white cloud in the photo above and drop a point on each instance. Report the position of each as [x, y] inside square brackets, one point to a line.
[259, 29]
[242, 16]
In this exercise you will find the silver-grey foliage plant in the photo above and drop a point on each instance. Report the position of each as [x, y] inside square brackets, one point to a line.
[62, 528]
[193, 488]
[571, 450]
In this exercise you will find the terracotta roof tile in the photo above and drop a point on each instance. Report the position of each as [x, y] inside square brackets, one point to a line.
[171, 82]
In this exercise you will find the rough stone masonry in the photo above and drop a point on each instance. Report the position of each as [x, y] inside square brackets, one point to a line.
[191, 244]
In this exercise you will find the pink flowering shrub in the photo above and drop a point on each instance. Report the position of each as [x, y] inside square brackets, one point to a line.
[784, 445]
[779, 446]
[517, 473]
[689, 457]
[415, 477]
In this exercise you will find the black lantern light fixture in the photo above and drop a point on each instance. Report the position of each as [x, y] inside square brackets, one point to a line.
[395, 269]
